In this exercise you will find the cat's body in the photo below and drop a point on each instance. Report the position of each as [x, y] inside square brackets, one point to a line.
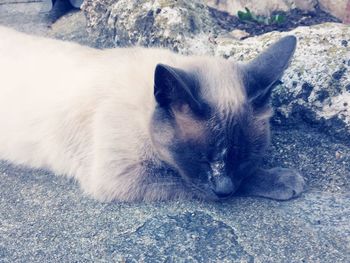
[92, 114]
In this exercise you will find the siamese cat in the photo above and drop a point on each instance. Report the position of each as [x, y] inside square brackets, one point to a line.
[142, 124]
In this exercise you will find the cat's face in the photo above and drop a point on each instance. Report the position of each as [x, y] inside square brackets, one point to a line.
[213, 154]
[211, 122]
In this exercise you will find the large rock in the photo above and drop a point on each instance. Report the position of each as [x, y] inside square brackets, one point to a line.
[261, 7]
[315, 89]
[167, 23]
[72, 27]
[338, 8]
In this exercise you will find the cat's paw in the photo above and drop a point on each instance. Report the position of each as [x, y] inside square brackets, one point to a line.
[276, 183]
[285, 184]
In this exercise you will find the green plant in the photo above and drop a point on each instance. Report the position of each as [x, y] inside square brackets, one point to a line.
[248, 16]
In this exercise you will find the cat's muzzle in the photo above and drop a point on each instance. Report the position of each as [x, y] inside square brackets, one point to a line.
[222, 186]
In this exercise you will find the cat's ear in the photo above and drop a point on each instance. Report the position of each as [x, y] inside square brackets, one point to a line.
[174, 87]
[262, 73]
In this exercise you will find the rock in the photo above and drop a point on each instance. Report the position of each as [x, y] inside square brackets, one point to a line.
[72, 27]
[49, 219]
[261, 7]
[338, 8]
[33, 17]
[347, 17]
[238, 34]
[167, 23]
[314, 88]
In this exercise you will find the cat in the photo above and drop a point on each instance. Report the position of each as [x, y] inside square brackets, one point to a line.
[142, 124]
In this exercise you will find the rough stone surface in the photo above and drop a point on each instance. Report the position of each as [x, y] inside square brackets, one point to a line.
[314, 87]
[167, 23]
[72, 27]
[338, 8]
[45, 218]
[261, 7]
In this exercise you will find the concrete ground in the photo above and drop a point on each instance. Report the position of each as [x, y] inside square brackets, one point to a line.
[45, 218]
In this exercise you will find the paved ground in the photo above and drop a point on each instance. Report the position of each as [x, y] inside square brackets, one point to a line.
[44, 218]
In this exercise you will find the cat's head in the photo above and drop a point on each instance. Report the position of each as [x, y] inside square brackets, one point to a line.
[211, 122]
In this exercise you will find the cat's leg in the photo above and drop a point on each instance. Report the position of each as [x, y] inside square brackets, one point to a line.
[276, 183]
[164, 186]
[121, 176]
[122, 165]
[134, 184]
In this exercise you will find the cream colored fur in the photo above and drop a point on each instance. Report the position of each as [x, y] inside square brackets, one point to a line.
[82, 112]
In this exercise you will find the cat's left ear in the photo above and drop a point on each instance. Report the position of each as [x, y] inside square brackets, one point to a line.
[261, 74]
[174, 88]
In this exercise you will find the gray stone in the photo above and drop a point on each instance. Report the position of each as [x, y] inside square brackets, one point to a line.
[72, 27]
[313, 89]
[166, 23]
[261, 7]
[338, 8]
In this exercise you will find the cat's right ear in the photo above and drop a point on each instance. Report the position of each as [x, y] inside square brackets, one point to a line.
[174, 87]
[261, 74]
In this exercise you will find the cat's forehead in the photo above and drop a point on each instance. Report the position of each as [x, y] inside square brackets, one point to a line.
[221, 127]
[219, 88]
[220, 84]
[216, 131]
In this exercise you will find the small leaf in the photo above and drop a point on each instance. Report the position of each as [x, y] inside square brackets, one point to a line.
[248, 16]
[279, 19]
[240, 15]
[244, 16]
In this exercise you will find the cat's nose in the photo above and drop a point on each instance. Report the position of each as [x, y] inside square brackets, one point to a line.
[222, 186]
